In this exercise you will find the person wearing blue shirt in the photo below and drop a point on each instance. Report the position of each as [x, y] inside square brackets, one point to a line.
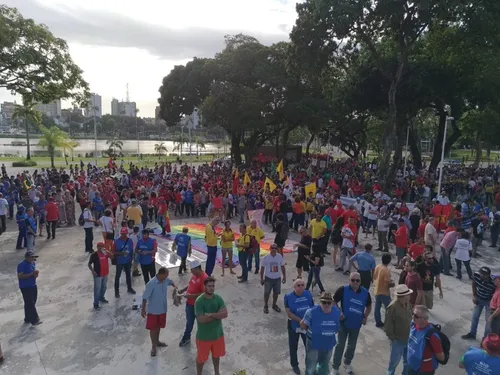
[123, 250]
[154, 307]
[27, 275]
[40, 213]
[189, 202]
[30, 229]
[21, 226]
[356, 305]
[321, 323]
[146, 248]
[297, 303]
[484, 360]
[98, 206]
[182, 244]
[365, 265]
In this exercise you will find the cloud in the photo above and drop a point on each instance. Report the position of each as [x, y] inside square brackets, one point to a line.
[102, 28]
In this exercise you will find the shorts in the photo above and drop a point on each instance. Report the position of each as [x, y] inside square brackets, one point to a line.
[302, 263]
[371, 224]
[155, 322]
[273, 285]
[429, 298]
[216, 347]
[400, 252]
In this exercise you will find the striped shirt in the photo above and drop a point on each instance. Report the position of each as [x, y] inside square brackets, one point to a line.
[484, 289]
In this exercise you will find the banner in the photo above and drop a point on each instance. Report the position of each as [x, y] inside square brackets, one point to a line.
[310, 188]
[257, 216]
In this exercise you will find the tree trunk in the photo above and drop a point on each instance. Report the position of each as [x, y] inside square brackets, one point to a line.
[52, 154]
[309, 143]
[479, 151]
[277, 146]
[384, 167]
[28, 149]
[398, 147]
[450, 140]
[416, 155]
[235, 149]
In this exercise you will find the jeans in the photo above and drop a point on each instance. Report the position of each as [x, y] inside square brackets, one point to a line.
[383, 242]
[30, 241]
[148, 271]
[444, 261]
[190, 318]
[317, 360]
[256, 255]
[30, 296]
[350, 336]
[315, 271]
[89, 239]
[379, 301]
[467, 267]
[183, 267]
[125, 268]
[211, 255]
[494, 235]
[100, 286]
[3, 225]
[399, 350]
[345, 255]
[478, 309]
[243, 259]
[418, 372]
[21, 238]
[51, 228]
[293, 344]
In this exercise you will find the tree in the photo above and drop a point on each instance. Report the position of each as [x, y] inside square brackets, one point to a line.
[115, 146]
[36, 64]
[179, 142]
[199, 144]
[27, 112]
[160, 149]
[54, 138]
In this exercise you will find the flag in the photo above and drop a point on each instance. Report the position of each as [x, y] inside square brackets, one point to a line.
[272, 185]
[246, 179]
[309, 171]
[310, 188]
[27, 182]
[280, 170]
[236, 182]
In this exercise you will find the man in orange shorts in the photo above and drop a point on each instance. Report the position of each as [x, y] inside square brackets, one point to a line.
[155, 299]
[209, 309]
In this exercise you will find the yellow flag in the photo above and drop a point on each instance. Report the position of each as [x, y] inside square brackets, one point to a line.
[280, 170]
[246, 179]
[272, 185]
[310, 188]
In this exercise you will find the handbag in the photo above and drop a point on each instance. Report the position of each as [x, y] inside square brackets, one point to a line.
[114, 260]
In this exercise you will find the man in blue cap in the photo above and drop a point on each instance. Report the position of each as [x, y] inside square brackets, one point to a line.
[27, 275]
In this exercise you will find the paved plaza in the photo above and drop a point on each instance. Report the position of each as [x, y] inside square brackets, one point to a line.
[75, 339]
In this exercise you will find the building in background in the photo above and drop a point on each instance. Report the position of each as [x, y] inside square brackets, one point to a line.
[95, 101]
[123, 108]
[7, 109]
[52, 109]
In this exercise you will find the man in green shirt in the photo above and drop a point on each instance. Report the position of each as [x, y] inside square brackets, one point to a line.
[209, 309]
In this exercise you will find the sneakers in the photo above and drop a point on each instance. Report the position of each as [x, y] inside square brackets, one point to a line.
[469, 336]
[336, 372]
[104, 300]
[348, 369]
[96, 306]
[296, 370]
[136, 273]
[130, 291]
[184, 342]
[37, 323]
[117, 294]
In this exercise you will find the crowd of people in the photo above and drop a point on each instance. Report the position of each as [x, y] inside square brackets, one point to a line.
[331, 205]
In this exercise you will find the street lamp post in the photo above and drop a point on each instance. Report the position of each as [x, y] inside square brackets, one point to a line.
[95, 136]
[137, 132]
[447, 109]
[406, 149]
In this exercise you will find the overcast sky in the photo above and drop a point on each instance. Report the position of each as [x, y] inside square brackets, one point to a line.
[117, 42]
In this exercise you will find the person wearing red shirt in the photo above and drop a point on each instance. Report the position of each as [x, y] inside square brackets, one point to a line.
[347, 214]
[417, 248]
[195, 288]
[401, 240]
[99, 266]
[51, 217]
[421, 228]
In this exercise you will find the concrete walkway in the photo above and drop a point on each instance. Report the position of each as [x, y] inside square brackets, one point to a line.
[74, 339]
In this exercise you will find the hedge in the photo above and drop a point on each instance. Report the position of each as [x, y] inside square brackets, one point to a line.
[24, 163]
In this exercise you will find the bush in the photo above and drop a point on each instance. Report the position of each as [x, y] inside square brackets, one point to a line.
[24, 163]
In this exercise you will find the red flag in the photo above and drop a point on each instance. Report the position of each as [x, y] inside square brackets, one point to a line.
[236, 182]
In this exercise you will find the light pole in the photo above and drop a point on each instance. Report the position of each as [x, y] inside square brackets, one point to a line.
[137, 131]
[406, 149]
[95, 135]
[447, 109]
[190, 153]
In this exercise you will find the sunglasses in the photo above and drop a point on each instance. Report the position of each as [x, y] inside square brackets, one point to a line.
[325, 303]
[356, 280]
[417, 317]
[300, 285]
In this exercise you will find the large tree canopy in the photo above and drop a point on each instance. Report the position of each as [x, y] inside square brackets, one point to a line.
[36, 64]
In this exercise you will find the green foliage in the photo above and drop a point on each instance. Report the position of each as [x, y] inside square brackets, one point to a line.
[115, 146]
[36, 64]
[24, 163]
[160, 149]
[54, 138]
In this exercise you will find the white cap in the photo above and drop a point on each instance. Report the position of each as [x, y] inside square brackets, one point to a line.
[194, 264]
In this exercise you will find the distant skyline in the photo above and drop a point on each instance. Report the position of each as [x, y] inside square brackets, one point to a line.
[117, 42]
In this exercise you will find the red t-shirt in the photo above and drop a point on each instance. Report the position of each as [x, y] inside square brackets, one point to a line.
[52, 211]
[416, 250]
[196, 285]
[401, 237]
[421, 230]
[429, 351]
[217, 202]
[347, 214]
[103, 261]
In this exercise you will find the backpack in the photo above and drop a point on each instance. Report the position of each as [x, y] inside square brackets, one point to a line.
[254, 245]
[445, 341]
[81, 220]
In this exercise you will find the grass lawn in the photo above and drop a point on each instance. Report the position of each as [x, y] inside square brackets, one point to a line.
[148, 161]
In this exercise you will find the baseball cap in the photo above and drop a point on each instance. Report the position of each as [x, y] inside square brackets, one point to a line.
[30, 254]
[124, 231]
[194, 264]
[100, 244]
[485, 271]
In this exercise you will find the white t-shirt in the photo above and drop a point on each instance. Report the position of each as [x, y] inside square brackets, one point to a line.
[372, 216]
[345, 241]
[107, 224]
[4, 206]
[87, 215]
[272, 265]
[462, 248]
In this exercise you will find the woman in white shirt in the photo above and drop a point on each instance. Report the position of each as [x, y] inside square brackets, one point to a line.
[108, 229]
[463, 247]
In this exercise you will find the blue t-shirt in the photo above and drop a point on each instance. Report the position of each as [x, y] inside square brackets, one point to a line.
[366, 261]
[122, 246]
[479, 362]
[26, 267]
[156, 295]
